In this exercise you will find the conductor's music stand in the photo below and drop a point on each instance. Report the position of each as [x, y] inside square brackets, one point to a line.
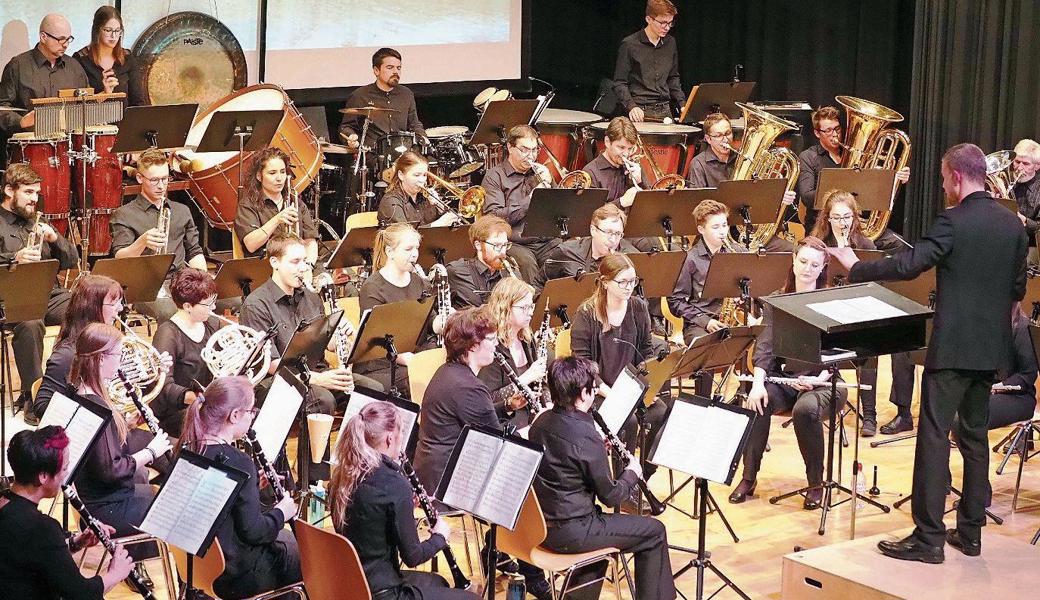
[754, 200]
[141, 276]
[562, 297]
[240, 276]
[560, 212]
[389, 330]
[665, 213]
[441, 245]
[499, 117]
[707, 98]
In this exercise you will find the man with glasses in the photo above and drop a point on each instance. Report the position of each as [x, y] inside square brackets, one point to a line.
[715, 163]
[646, 76]
[39, 73]
[471, 279]
[135, 232]
[582, 255]
[1027, 190]
[509, 186]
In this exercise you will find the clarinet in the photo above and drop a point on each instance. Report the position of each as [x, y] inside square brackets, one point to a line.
[656, 507]
[269, 471]
[544, 337]
[146, 412]
[443, 301]
[534, 404]
[406, 469]
[99, 532]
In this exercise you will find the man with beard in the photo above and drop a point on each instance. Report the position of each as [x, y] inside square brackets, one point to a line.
[384, 92]
[471, 279]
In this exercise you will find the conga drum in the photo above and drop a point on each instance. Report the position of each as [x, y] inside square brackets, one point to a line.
[561, 133]
[104, 179]
[49, 157]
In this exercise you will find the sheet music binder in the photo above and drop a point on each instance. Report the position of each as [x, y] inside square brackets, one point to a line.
[83, 422]
[193, 502]
[406, 409]
[489, 474]
[279, 410]
[628, 389]
[703, 439]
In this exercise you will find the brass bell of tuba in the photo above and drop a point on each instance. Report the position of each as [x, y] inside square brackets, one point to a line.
[1000, 174]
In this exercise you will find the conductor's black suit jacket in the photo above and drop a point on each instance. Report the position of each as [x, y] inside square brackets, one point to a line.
[978, 249]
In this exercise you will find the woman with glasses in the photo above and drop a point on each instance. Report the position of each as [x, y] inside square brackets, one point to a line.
[260, 554]
[843, 227]
[183, 337]
[109, 66]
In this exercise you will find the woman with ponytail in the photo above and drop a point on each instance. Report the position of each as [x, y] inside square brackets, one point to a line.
[401, 202]
[372, 506]
[260, 554]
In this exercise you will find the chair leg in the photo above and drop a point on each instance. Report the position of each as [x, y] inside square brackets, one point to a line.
[628, 576]
[616, 575]
[171, 583]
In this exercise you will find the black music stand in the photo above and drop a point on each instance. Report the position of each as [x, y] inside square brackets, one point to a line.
[753, 200]
[388, 330]
[657, 272]
[559, 212]
[562, 297]
[354, 250]
[141, 276]
[871, 187]
[240, 131]
[707, 98]
[666, 213]
[163, 126]
[746, 276]
[240, 276]
[499, 117]
[875, 321]
[441, 245]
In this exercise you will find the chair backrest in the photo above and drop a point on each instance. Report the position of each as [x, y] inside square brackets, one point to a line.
[529, 533]
[676, 322]
[421, 369]
[362, 219]
[562, 349]
[36, 387]
[204, 571]
[237, 251]
[351, 307]
[330, 565]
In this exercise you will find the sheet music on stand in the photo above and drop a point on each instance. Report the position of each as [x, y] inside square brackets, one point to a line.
[83, 422]
[703, 439]
[279, 411]
[362, 397]
[193, 502]
[628, 389]
[489, 475]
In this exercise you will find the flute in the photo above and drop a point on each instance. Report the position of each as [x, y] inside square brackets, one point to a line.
[812, 381]
[656, 507]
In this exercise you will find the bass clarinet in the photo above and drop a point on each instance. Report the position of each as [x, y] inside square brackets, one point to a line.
[461, 582]
[269, 472]
[656, 507]
[534, 403]
[146, 412]
[99, 532]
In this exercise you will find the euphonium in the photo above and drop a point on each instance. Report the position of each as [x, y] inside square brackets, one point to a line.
[471, 200]
[871, 144]
[758, 159]
[163, 224]
[35, 238]
[231, 347]
[1000, 174]
[671, 181]
[144, 369]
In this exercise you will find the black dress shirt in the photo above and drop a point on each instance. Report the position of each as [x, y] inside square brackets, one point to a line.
[35, 563]
[508, 195]
[646, 74]
[401, 99]
[251, 215]
[574, 256]
[812, 161]
[574, 470]
[190, 372]
[607, 176]
[132, 219]
[107, 471]
[14, 231]
[628, 344]
[1027, 195]
[381, 525]
[396, 207]
[30, 75]
[708, 171]
[56, 374]
[471, 282]
[685, 300]
[454, 398]
[502, 389]
[269, 305]
[126, 72]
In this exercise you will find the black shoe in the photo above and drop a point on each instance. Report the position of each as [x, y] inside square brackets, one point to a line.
[898, 425]
[968, 548]
[744, 490]
[869, 427]
[813, 499]
[910, 548]
[539, 588]
[30, 418]
[505, 563]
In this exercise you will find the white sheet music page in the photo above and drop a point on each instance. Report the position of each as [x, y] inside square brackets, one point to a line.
[856, 310]
[476, 458]
[506, 489]
[700, 441]
[187, 505]
[276, 416]
[358, 401]
[80, 425]
[620, 401]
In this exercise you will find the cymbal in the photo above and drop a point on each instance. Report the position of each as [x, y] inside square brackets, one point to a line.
[11, 109]
[366, 110]
[328, 148]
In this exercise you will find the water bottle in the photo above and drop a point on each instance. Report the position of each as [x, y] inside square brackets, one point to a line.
[316, 506]
[861, 487]
[517, 589]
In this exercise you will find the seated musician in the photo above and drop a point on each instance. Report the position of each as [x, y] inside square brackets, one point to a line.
[807, 402]
[135, 230]
[371, 505]
[95, 299]
[18, 214]
[583, 255]
[471, 279]
[109, 66]
[266, 210]
[456, 397]
[1027, 189]
[183, 337]
[39, 72]
[385, 92]
[509, 186]
[613, 170]
[36, 556]
[646, 75]
[401, 202]
[510, 307]
[260, 554]
[112, 480]
[575, 474]
[714, 164]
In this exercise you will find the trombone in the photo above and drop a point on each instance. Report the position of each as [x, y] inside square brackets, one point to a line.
[471, 200]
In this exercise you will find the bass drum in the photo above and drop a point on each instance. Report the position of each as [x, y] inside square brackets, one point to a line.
[189, 57]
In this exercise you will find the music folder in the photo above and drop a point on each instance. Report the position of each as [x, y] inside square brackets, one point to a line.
[619, 404]
[278, 412]
[311, 339]
[407, 410]
[83, 422]
[703, 438]
[193, 502]
[489, 474]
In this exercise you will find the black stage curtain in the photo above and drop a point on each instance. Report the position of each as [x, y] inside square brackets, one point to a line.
[975, 79]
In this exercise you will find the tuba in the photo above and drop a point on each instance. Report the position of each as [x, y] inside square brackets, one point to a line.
[758, 159]
[471, 200]
[144, 369]
[1000, 174]
[871, 144]
[232, 350]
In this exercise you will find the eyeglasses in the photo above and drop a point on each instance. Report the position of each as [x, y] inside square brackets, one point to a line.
[840, 219]
[667, 24]
[831, 130]
[614, 235]
[527, 308]
[157, 180]
[499, 247]
[627, 284]
[111, 31]
[527, 151]
[64, 41]
[210, 305]
[718, 136]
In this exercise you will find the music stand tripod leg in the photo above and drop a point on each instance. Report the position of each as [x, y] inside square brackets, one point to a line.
[702, 561]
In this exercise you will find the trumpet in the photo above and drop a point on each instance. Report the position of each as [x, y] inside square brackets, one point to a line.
[163, 224]
[35, 238]
[232, 350]
[293, 201]
[471, 200]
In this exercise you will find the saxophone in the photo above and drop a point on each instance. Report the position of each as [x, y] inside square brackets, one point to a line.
[731, 313]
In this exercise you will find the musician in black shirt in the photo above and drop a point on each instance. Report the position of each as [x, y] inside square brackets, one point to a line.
[574, 474]
[1027, 189]
[109, 66]
[471, 279]
[267, 210]
[385, 92]
[646, 75]
[35, 559]
[583, 255]
[402, 203]
[613, 170]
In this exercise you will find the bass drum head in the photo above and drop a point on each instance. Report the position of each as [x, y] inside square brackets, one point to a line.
[189, 57]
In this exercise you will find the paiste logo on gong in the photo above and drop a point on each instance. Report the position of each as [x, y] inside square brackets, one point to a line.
[197, 41]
